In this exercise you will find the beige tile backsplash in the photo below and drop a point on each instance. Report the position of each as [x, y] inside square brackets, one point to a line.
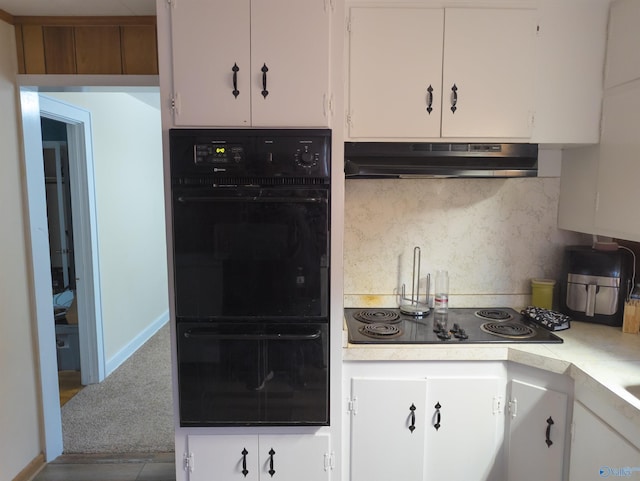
[492, 235]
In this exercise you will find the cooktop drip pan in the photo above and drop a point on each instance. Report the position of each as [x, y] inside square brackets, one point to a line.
[480, 326]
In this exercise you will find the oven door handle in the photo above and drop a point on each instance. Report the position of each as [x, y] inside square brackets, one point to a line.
[199, 333]
[280, 200]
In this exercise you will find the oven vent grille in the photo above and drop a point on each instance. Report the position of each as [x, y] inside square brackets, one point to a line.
[261, 181]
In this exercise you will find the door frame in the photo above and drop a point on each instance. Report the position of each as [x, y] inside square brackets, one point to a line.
[92, 362]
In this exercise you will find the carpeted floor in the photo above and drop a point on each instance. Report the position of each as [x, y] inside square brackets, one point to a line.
[130, 411]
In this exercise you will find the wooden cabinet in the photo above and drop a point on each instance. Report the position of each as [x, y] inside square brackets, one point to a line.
[85, 45]
[598, 451]
[430, 73]
[250, 63]
[412, 429]
[536, 432]
[283, 457]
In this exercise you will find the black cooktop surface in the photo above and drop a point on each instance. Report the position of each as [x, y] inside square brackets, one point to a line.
[465, 325]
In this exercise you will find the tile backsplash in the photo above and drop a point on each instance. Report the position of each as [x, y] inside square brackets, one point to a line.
[492, 235]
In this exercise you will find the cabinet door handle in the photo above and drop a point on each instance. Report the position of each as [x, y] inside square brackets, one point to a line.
[235, 91]
[429, 99]
[264, 70]
[412, 416]
[548, 433]
[244, 462]
[271, 470]
[454, 98]
[437, 416]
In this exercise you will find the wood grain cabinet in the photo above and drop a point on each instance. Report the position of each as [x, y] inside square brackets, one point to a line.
[87, 46]
[250, 63]
[430, 73]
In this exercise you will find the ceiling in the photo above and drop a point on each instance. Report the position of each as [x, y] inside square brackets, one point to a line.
[98, 8]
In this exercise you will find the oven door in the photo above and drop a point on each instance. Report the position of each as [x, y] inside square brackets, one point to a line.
[253, 374]
[251, 252]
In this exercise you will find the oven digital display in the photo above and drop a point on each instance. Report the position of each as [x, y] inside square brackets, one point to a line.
[218, 154]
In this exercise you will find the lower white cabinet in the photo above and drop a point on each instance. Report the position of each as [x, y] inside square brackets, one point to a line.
[598, 451]
[283, 457]
[425, 429]
[536, 430]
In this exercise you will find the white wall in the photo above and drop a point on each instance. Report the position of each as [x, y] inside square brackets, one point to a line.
[492, 235]
[20, 433]
[130, 214]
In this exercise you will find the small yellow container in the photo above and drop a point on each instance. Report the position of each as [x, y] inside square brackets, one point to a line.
[542, 293]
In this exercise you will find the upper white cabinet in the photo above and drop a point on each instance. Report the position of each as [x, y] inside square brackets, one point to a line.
[598, 191]
[250, 63]
[570, 53]
[429, 73]
[623, 56]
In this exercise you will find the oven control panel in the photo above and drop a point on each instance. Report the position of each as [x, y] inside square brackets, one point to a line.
[277, 153]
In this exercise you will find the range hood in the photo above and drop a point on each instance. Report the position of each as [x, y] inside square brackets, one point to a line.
[379, 160]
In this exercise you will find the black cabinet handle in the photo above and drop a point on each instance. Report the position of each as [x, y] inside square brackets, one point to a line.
[548, 434]
[412, 427]
[437, 416]
[454, 98]
[271, 470]
[264, 70]
[244, 462]
[235, 69]
[429, 99]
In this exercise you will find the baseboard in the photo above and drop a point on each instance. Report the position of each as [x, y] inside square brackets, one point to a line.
[135, 344]
[32, 469]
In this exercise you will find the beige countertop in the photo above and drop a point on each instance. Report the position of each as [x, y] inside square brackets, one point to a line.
[600, 358]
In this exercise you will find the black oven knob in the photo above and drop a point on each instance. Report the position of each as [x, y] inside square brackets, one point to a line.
[305, 158]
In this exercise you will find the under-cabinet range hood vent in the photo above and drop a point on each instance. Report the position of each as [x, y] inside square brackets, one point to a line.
[397, 160]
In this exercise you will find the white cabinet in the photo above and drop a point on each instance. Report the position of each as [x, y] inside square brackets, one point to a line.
[617, 193]
[416, 429]
[536, 432]
[429, 73]
[598, 451]
[623, 56]
[598, 191]
[282, 457]
[250, 62]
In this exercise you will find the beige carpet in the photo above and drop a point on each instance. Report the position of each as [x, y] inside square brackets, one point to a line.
[130, 411]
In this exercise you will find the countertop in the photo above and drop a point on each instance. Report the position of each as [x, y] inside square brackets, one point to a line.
[598, 358]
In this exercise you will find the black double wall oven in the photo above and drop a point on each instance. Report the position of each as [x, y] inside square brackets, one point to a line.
[250, 215]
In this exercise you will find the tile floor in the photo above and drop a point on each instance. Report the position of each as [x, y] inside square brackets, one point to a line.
[109, 467]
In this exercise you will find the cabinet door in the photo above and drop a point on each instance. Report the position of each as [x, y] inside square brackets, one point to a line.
[488, 58]
[384, 447]
[291, 39]
[462, 429]
[294, 458]
[223, 458]
[597, 451]
[619, 168]
[395, 56]
[623, 56]
[537, 429]
[209, 38]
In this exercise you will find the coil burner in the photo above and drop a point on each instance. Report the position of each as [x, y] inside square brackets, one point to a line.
[381, 316]
[380, 330]
[508, 330]
[493, 315]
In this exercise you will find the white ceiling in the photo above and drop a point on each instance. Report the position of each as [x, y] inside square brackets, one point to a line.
[78, 7]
